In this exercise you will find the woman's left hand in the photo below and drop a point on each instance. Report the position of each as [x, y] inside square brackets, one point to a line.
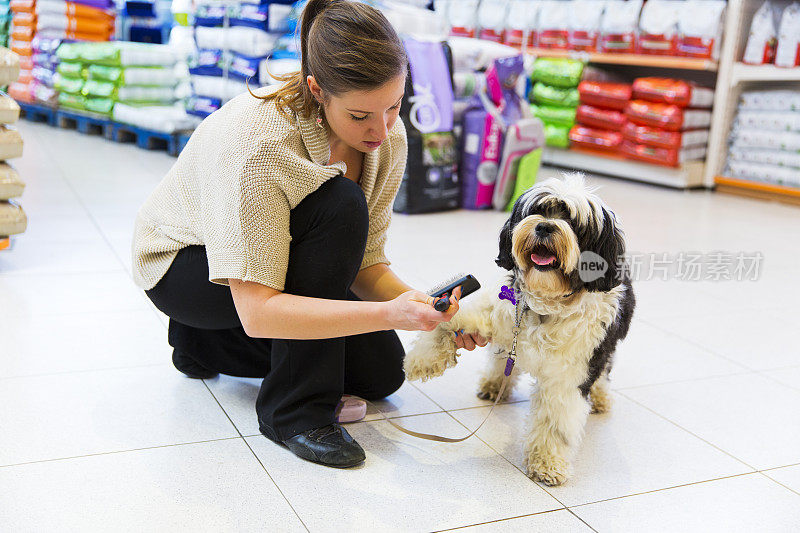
[469, 341]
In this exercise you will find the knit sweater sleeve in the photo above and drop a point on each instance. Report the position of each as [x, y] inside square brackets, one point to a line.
[381, 218]
[254, 245]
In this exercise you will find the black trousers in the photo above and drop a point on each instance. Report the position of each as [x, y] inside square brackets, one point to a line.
[303, 379]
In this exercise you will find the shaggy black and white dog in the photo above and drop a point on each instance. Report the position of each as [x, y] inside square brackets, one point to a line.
[565, 253]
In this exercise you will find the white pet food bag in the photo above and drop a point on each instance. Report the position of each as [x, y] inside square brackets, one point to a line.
[769, 120]
[584, 27]
[462, 16]
[521, 19]
[788, 51]
[619, 25]
[775, 100]
[763, 37]
[553, 28]
[700, 28]
[761, 172]
[774, 140]
[766, 157]
[250, 42]
[658, 27]
[492, 15]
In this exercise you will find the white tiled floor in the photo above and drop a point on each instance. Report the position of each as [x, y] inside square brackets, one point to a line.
[98, 431]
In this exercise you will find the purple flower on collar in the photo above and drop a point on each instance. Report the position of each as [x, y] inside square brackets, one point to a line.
[507, 293]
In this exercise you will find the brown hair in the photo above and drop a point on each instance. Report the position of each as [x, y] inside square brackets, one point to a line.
[345, 46]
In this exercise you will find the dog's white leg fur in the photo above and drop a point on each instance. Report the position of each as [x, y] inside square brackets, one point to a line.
[434, 352]
[492, 379]
[559, 414]
[600, 396]
[431, 354]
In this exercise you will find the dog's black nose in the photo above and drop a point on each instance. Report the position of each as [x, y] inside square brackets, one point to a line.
[544, 229]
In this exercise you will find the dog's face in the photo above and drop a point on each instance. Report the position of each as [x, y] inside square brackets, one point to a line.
[551, 225]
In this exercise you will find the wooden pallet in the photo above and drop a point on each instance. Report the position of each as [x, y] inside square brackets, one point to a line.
[147, 139]
[183, 138]
[38, 113]
[86, 123]
[758, 190]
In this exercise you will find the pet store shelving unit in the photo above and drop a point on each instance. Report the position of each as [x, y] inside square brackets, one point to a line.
[728, 74]
[640, 60]
[735, 76]
[687, 175]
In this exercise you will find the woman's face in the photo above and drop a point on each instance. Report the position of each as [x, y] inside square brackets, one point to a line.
[363, 119]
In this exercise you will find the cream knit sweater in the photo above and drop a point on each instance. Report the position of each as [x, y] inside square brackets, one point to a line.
[232, 189]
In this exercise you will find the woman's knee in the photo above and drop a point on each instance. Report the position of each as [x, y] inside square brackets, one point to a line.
[338, 204]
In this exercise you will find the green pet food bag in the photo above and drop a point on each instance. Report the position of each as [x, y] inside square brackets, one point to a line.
[556, 135]
[102, 106]
[559, 72]
[71, 69]
[556, 96]
[565, 116]
[526, 175]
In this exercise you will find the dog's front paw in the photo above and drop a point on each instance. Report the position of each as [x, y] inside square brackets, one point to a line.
[419, 366]
[550, 470]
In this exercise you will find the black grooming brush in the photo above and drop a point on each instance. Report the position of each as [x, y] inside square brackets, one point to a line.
[443, 291]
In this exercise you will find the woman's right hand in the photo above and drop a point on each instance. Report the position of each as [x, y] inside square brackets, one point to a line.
[413, 311]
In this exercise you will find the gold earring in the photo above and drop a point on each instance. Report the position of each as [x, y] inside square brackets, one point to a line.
[319, 115]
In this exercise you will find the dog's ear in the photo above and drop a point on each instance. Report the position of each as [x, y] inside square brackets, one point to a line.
[504, 257]
[610, 245]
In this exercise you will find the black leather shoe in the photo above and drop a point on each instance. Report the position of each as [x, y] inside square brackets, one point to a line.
[190, 367]
[330, 445]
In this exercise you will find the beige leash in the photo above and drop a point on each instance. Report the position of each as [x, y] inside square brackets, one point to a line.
[512, 358]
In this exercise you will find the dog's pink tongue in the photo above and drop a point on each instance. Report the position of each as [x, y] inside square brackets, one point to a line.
[543, 260]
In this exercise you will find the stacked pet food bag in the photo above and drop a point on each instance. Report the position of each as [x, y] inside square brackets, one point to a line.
[765, 138]
[79, 20]
[23, 29]
[133, 83]
[45, 64]
[12, 218]
[668, 121]
[601, 115]
[555, 96]
[39, 26]
[769, 42]
[233, 41]
[656, 120]
[691, 28]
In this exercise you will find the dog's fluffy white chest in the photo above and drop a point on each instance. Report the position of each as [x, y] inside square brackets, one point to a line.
[567, 337]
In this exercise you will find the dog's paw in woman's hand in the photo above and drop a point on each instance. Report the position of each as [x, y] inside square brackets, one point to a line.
[431, 354]
[420, 367]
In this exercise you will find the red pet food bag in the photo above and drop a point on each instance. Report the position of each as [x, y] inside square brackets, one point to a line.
[598, 117]
[605, 94]
[672, 91]
[659, 138]
[667, 116]
[595, 139]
